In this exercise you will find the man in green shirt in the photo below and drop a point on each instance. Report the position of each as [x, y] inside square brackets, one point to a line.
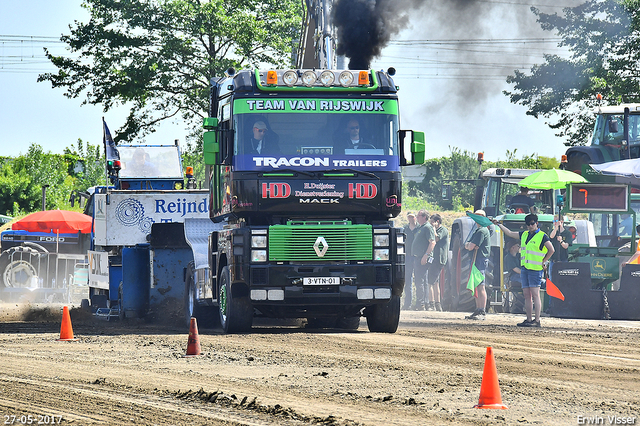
[423, 244]
[480, 242]
[436, 262]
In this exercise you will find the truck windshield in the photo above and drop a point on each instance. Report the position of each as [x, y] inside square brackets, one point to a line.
[612, 230]
[609, 129]
[150, 162]
[311, 134]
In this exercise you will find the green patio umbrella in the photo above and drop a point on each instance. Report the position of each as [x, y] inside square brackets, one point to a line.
[551, 179]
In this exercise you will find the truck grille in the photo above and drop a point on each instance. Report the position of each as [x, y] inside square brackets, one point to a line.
[295, 243]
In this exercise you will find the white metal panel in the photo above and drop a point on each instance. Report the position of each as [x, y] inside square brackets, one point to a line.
[128, 215]
[99, 269]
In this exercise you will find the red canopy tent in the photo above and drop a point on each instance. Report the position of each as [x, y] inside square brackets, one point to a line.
[58, 221]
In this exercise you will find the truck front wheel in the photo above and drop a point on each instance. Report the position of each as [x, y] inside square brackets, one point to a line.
[384, 317]
[236, 311]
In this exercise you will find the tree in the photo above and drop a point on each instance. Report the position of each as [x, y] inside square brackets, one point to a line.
[22, 180]
[463, 166]
[158, 55]
[603, 41]
[87, 164]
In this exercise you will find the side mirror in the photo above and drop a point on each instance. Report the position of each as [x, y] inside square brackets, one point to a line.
[412, 147]
[211, 147]
[613, 126]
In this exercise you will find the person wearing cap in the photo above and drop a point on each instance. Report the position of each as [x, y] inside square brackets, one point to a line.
[262, 140]
[480, 242]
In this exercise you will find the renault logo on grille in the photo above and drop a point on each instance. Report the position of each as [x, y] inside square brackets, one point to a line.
[321, 251]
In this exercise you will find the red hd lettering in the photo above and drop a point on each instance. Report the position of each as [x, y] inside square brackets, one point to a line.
[276, 190]
[363, 190]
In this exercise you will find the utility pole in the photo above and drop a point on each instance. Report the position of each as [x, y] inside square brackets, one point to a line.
[44, 197]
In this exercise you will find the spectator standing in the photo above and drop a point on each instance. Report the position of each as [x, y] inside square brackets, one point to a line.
[422, 247]
[410, 231]
[535, 251]
[436, 262]
[561, 238]
[480, 242]
[512, 263]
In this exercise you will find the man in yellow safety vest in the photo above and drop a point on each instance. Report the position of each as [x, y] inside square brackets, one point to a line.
[535, 250]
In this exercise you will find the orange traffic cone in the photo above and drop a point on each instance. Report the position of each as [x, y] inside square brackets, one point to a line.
[193, 345]
[490, 389]
[66, 331]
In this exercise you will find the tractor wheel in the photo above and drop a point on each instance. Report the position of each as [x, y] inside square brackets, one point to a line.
[18, 267]
[456, 295]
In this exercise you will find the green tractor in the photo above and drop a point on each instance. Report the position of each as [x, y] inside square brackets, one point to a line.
[494, 191]
[616, 136]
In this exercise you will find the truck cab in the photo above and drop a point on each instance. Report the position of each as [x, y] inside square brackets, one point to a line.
[305, 179]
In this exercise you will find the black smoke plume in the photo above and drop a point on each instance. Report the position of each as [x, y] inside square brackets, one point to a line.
[366, 26]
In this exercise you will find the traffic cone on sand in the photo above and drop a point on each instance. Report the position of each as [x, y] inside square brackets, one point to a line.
[66, 331]
[490, 389]
[193, 345]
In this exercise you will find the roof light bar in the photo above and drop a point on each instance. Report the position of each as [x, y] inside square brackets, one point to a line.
[316, 78]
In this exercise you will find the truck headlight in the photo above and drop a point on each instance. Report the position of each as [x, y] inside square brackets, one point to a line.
[381, 240]
[259, 241]
[399, 238]
[400, 249]
[381, 254]
[258, 255]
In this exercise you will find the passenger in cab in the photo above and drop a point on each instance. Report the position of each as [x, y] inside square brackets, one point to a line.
[521, 202]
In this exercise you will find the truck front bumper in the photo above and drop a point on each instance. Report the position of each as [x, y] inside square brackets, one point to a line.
[340, 284]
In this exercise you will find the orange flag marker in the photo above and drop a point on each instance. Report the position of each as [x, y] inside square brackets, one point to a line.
[554, 291]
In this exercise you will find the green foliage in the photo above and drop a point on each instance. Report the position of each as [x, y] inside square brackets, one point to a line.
[460, 170]
[446, 170]
[87, 165]
[603, 41]
[22, 180]
[158, 56]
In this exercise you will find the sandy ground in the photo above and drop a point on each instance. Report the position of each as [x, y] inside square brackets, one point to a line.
[429, 372]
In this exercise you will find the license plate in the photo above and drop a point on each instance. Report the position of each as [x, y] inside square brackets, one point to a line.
[321, 281]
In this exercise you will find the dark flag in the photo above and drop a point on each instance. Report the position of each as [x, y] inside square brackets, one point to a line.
[110, 150]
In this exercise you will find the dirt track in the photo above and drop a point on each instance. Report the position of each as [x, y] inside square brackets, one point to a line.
[429, 372]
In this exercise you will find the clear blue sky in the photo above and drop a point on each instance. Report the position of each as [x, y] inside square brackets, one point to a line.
[451, 91]
[32, 112]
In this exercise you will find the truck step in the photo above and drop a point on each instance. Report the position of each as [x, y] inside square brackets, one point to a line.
[108, 314]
